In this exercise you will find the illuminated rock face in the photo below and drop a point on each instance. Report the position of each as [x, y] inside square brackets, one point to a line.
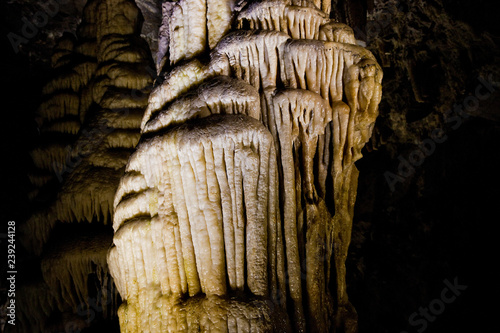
[235, 210]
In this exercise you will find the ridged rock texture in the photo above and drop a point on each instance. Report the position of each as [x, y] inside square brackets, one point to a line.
[90, 123]
[235, 210]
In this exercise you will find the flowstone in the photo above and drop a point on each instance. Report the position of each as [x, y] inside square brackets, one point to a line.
[235, 211]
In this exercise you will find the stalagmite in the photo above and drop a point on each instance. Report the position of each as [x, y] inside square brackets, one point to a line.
[61, 114]
[119, 88]
[97, 100]
[216, 211]
[229, 185]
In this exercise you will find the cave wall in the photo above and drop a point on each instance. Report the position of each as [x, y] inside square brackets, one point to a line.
[436, 134]
[433, 223]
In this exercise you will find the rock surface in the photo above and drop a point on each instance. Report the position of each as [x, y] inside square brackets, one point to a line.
[408, 239]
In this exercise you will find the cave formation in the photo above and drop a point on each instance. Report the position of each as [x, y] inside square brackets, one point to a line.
[233, 184]
[221, 172]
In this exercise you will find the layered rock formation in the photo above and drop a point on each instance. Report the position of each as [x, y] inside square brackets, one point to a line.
[235, 210]
[90, 122]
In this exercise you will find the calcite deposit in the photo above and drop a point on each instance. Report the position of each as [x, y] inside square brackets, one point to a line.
[235, 210]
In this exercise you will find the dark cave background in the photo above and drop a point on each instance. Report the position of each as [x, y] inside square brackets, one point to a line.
[438, 224]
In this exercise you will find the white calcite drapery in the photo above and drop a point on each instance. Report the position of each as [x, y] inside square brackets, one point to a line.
[235, 210]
